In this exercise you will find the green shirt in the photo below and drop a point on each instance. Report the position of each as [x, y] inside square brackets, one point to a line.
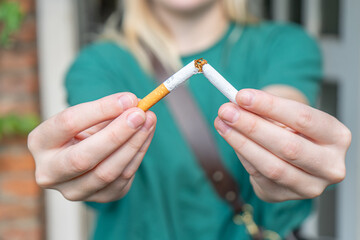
[171, 197]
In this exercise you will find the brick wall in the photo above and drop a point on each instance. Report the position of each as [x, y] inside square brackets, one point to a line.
[21, 205]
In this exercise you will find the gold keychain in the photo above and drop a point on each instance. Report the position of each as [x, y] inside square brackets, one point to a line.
[246, 218]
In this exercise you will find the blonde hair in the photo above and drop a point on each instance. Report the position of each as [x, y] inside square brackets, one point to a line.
[147, 38]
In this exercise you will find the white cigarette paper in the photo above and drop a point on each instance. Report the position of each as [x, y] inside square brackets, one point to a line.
[194, 67]
[220, 82]
[167, 86]
[181, 76]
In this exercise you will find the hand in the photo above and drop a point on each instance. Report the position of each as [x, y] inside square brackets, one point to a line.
[90, 152]
[290, 150]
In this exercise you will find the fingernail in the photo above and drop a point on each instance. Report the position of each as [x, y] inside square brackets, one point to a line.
[135, 120]
[222, 127]
[246, 98]
[148, 124]
[125, 101]
[230, 114]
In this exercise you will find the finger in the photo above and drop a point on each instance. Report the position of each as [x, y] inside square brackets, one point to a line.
[264, 188]
[85, 155]
[73, 194]
[285, 144]
[267, 164]
[310, 122]
[111, 168]
[115, 191]
[92, 130]
[64, 126]
[272, 192]
[133, 166]
[248, 166]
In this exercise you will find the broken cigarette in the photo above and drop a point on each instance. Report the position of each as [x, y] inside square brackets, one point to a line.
[166, 87]
[220, 82]
[194, 67]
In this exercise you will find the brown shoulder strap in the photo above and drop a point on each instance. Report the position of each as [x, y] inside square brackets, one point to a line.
[195, 129]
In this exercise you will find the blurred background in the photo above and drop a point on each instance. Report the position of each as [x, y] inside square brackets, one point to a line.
[38, 41]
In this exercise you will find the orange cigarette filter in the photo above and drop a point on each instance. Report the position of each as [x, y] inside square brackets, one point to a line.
[152, 98]
[171, 83]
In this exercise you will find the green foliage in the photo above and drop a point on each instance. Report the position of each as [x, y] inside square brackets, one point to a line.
[13, 125]
[10, 20]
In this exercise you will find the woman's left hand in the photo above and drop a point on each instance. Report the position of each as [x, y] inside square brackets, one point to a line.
[290, 150]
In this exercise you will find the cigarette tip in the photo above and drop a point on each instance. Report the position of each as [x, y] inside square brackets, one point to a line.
[199, 63]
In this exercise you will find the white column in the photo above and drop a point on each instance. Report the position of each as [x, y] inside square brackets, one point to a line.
[57, 45]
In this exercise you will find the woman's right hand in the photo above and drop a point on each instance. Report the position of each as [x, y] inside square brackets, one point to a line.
[91, 151]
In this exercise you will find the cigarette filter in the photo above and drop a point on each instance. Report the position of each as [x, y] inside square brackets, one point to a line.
[152, 98]
[196, 66]
[166, 87]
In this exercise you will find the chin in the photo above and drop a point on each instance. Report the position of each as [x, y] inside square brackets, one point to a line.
[184, 6]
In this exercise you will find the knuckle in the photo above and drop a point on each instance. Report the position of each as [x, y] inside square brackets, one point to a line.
[115, 137]
[71, 196]
[43, 180]
[345, 137]
[65, 119]
[128, 173]
[270, 105]
[240, 145]
[142, 150]
[304, 119]
[291, 150]
[78, 162]
[337, 174]
[135, 145]
[313, 191]
[254, 173]
[252, 127]
[31, 141]
[105, 175]
[274, 172]
[124, 191]
[259, 191]
[102, 107]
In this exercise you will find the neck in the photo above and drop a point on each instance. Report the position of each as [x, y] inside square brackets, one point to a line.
[196, 31]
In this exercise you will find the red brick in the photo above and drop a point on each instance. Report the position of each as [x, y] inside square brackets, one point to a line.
[19, 82]
[26, 187]
[27, 33]
[10, 212]
[11, 60]
[20, 106]
[20, 197]
[21, 234]
[16, 162]
[16, 145]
